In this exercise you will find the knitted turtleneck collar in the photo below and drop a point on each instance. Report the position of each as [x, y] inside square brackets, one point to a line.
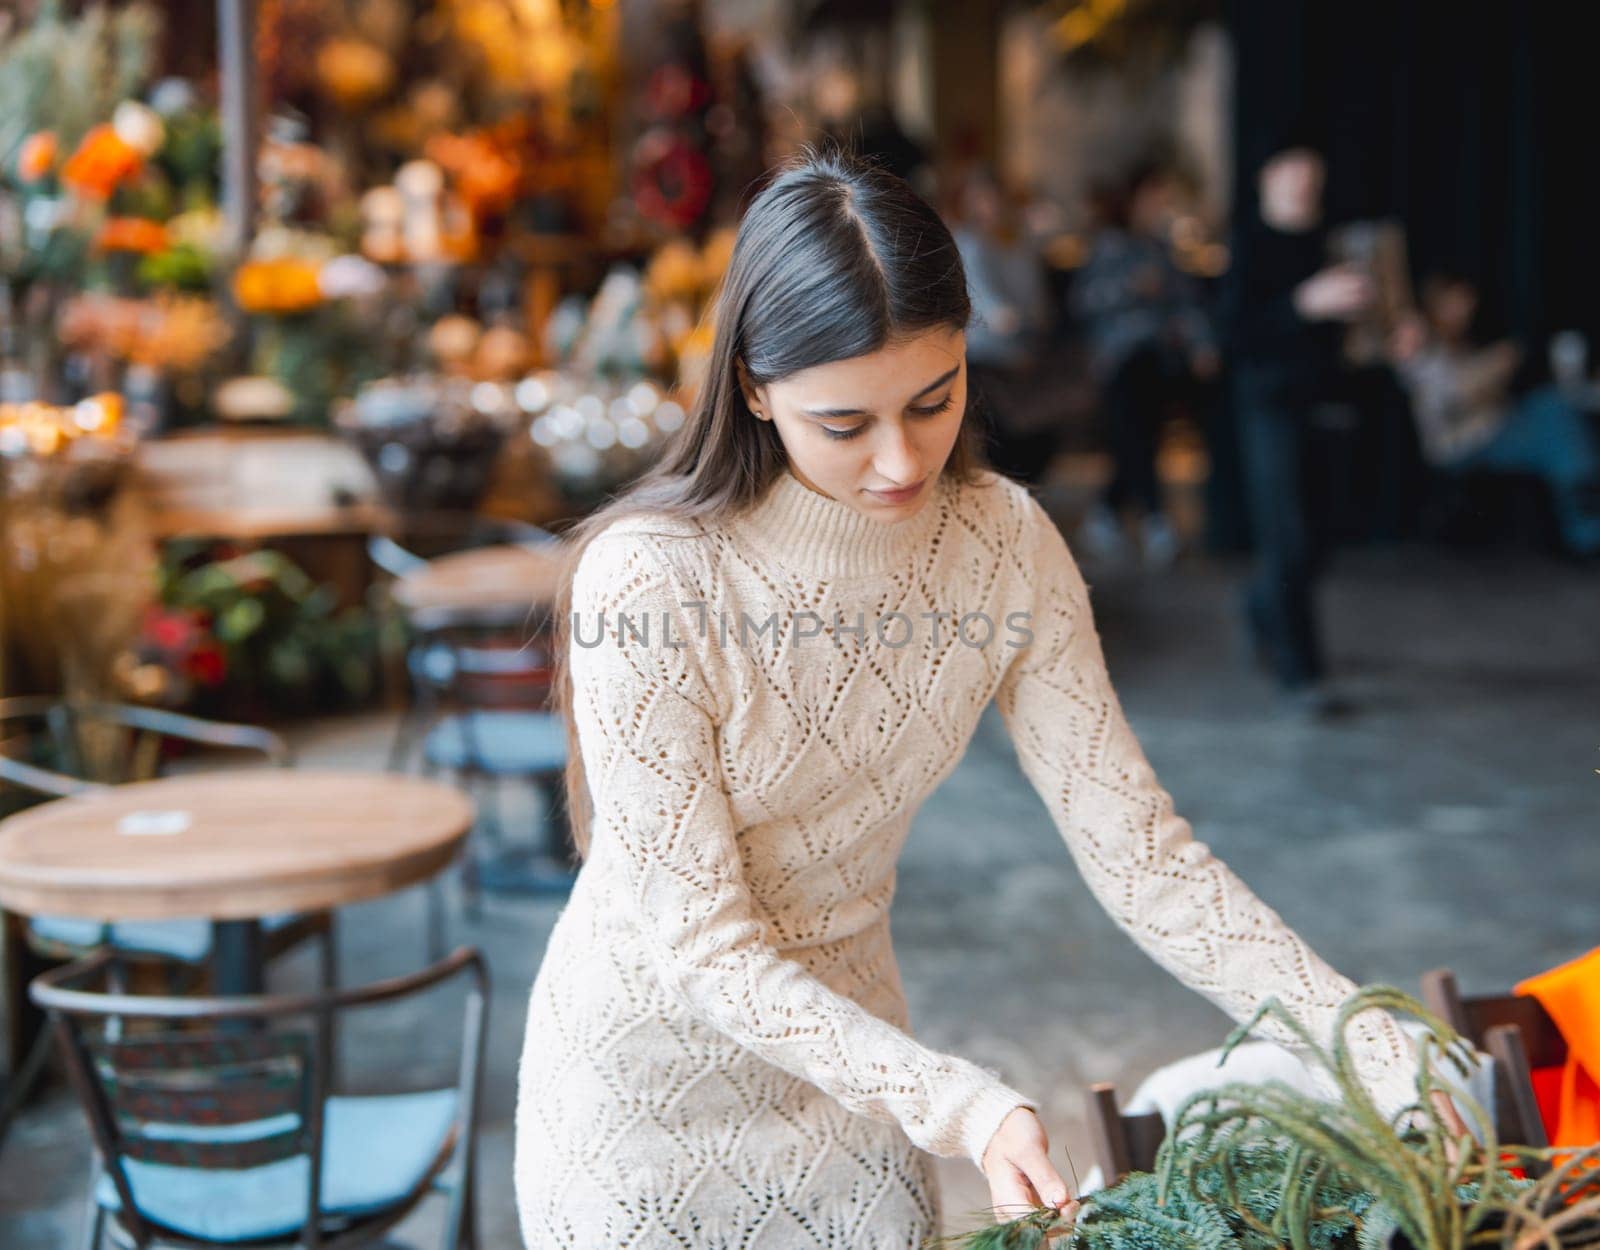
[805, 530]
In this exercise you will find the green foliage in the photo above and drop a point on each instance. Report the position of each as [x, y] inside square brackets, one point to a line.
[1240, 1206]
[321, 356]
[69, 74]
[1028, 1232]
[182, 267]
[288, 646]
[191, 154]
[1265, 1167]
[58, 255]
[1417, 1173]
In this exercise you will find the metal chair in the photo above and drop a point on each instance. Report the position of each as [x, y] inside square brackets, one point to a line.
[479, 680]
[492, 723]
[419, 538]
[78, 746]
[216, 1122]
[1517, 1033]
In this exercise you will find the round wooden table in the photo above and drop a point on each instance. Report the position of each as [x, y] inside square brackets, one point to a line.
[504, 578]
[230, 847]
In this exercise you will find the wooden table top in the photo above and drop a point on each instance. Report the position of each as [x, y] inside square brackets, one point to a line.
[253, 484]
[505, 576]
[229, 845]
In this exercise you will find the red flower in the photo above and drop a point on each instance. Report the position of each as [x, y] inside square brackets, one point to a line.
[206, 664]
[171, 631]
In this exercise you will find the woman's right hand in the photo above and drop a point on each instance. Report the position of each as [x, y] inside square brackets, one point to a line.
[1016, 1163]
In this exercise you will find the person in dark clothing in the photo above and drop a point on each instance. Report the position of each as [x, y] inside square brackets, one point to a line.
[1149, 336]
[1284, 310]
[1009, 327]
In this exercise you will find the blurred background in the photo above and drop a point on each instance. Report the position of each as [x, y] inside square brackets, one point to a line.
[321, 319]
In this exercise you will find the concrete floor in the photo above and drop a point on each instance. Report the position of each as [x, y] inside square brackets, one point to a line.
[1456, 821]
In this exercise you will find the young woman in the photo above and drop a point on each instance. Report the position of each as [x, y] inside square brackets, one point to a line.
[780, 644]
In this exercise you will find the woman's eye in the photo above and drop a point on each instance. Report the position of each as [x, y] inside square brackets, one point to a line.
[936, 409]
[832, 432]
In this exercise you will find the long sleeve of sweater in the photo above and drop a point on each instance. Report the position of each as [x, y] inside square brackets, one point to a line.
[647, 724]
[1167, 890]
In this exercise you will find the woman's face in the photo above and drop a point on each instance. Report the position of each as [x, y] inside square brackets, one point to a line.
[874, 431]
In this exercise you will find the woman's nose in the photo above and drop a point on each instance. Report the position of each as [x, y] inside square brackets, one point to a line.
[897, 461]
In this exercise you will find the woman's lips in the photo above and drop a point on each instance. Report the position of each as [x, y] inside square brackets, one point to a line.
[904, 495]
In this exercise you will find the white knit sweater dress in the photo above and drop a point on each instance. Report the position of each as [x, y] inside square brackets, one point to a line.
[717, 1054]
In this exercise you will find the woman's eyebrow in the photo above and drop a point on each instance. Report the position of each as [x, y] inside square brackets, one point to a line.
[859, 412]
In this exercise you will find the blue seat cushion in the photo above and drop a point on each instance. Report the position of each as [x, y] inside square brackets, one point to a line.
[507, 743]
[376, 1149]
[186, 940]
[433, 664]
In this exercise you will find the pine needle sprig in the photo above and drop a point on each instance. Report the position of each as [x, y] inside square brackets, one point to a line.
[1035, 1230]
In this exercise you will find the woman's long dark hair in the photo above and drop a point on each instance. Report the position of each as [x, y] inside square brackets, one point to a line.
[834, 259]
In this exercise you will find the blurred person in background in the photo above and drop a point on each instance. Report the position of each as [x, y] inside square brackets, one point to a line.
[1149, 335]
[1468, 420]
[1010, 323]
[1285, 312]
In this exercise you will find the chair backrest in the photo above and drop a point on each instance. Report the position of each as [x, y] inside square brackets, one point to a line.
[1517, 1033]
[67, 746]
[228, 1084]
[163, 1093]
[1122, 1143]
[505, 672]
[501, 655]
[493, 665]
[1474, 1015]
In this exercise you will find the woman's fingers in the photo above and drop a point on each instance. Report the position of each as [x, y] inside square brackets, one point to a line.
[1011, 1195]
[1016, 1191]
[1053, 1191]
[1017, 1164]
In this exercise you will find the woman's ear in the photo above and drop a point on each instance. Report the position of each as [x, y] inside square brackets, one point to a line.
[751, 392]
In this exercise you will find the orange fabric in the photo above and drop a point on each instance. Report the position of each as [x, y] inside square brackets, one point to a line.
[1571, 994]
[1547, 1092]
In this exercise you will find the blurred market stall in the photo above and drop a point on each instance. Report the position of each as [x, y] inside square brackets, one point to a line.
[363, 260]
